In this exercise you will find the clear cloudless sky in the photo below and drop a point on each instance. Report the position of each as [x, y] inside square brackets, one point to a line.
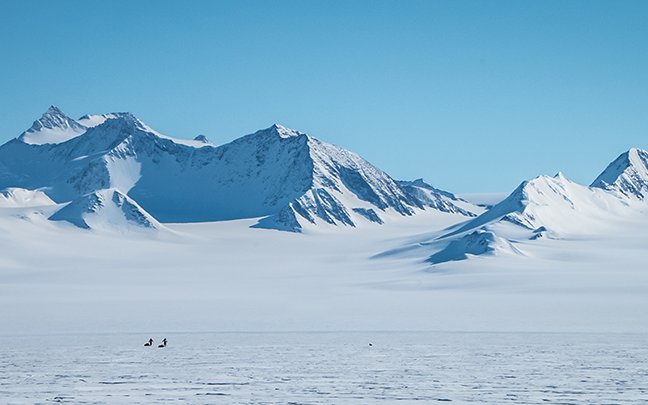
[474, 96]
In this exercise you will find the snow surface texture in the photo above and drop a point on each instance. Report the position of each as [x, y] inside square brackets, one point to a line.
[285, 177]
[326, 368]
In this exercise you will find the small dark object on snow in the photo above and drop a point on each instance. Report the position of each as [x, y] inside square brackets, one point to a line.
[163, 344]
[149, 343]
[370, 344]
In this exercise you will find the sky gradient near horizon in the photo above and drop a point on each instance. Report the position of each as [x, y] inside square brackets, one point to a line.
[473, 96]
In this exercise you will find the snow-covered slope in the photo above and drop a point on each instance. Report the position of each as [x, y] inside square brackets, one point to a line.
[14, 197]
[53, 127]
[287, 178]
[627, 174]
[554, 203]
[335, 186]
[104, 210]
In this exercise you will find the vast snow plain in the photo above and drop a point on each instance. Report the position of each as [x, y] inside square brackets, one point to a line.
[264, 316]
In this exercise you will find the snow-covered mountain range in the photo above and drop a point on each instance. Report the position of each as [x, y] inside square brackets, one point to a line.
[551, 207]
[113, 165]
[113, 172]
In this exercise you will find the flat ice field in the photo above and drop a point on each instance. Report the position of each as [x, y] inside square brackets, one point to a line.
[326, 368]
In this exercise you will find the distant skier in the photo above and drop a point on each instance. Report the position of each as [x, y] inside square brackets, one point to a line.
[163, 344]
[149, 343]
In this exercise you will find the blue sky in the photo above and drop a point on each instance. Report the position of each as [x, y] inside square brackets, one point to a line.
[473, 96]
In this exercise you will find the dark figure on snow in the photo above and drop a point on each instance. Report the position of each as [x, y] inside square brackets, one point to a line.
[163, 344]
[149, 343]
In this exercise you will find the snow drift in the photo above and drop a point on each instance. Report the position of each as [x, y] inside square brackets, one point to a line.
[19, 197]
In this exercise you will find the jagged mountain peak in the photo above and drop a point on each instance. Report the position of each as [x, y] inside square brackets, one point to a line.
[53, 118]
[627, 174]
[283, 131]
[52, 127]
[92, 120]
[107, 135]
[54, 111]
[107, 209]
[275, 131]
